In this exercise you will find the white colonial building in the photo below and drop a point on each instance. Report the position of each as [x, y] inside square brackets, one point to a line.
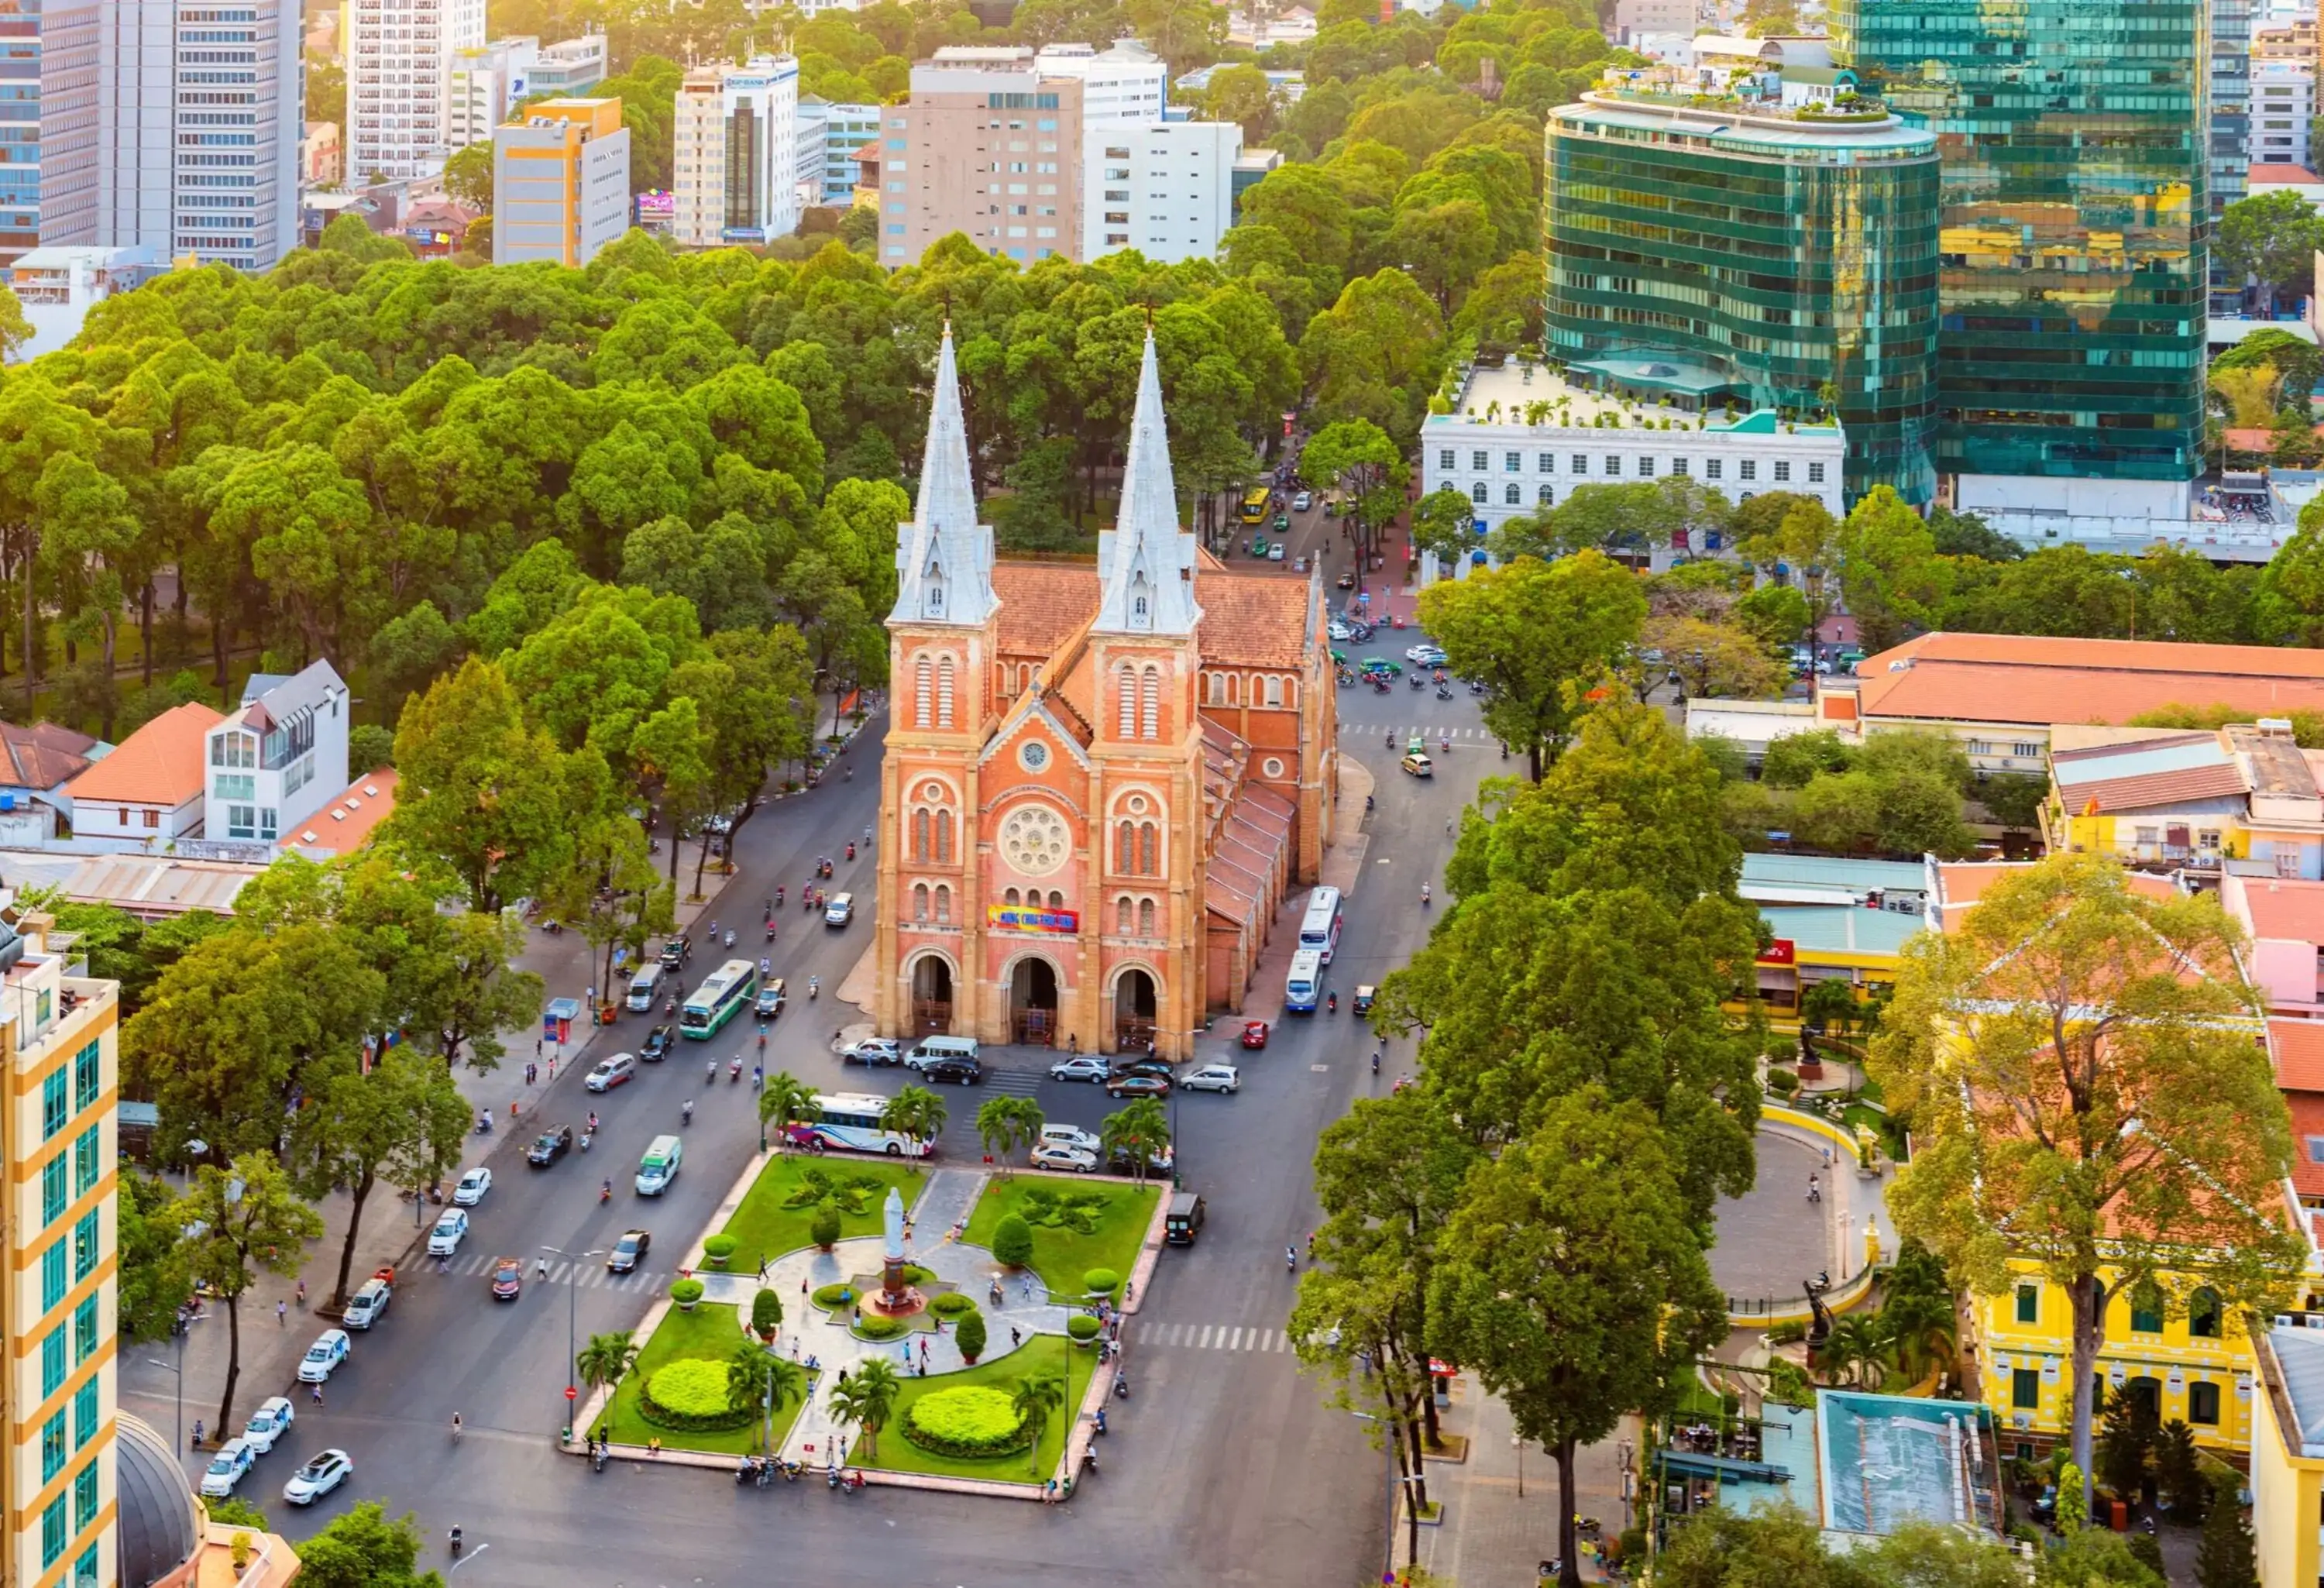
[280, 758]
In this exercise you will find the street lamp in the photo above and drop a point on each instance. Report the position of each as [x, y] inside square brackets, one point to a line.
[1394, 1481]
[572, 1348]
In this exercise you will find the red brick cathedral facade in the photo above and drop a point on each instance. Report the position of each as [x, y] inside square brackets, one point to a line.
[1100, 781]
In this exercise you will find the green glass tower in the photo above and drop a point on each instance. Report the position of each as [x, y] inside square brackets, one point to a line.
[1763, 258]
[2076, 223]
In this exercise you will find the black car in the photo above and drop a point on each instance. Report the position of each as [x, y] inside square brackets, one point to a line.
[628, 1251]
[966, 1071]
[657, 1042]
[1146, 1066]
[675, 952]
[550, 1145]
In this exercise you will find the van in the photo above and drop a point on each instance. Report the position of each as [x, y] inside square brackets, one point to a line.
[659, 1167]
[935, 1048]
[644, 988]
[364, 1307]
[1184, 1220]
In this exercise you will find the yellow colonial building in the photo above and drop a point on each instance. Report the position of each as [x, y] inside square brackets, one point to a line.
[2287, 1455]
[59, 1047]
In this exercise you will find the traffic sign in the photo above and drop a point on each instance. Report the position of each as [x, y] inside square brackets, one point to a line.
[571, 1393]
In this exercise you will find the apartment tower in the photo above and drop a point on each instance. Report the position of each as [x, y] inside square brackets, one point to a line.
[400, 56]
[987, 146]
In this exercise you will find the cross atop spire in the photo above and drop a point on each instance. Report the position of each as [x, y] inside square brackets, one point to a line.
[1145, 563]
[943, 556]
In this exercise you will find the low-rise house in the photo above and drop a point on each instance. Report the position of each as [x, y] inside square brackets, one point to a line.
[2203, 801]
[37, 767]
[149, 791]
[278, 758]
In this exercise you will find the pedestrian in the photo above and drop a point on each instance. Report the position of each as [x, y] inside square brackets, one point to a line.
[1014, 1339]
[552, 1066]
[802, 1286]
[282, 1314]
[317, 1396]
[858, 1315]
[762, 1270]
[536, 1048]
[511, 1111]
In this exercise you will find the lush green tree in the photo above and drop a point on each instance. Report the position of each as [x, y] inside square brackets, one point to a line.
[915, 1111]
[1723, 1549]
[1039, 1397]
[468, 178]
[403, 1116]
[2226, 1558]
[154, 1281]
[2272, 237]
[1006, 1123]
[1711, 659]
[867, 1401]
[1140, 1130]
[482, 795]
[1965, 534]
[362, 1548]
[786, 1101]
[232, 1224]
[759, 1381]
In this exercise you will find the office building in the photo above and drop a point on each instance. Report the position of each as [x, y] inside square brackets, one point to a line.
[989, 146]
[48, 122]
[1633, 17]
[570, 67]
[734, 162]
[398, 59]
[1126, 82]
[2283, 98]
[59, 1042]
[2076, 218]
[482, 87]
[560, 182]
[2231, 100]
[1795, 259]
[1166, 189]
[828, 137]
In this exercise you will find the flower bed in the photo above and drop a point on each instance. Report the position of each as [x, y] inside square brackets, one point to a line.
[969, 1422]
[690, 1395]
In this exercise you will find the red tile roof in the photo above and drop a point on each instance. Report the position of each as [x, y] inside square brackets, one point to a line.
[2040, 680]
[43, 755]
[159, 764]
[346, 823]
[2285, 908]
[2298, 1048]
[2307, 1141]
[1252, 620]
[2278, 171]
[1041, 604]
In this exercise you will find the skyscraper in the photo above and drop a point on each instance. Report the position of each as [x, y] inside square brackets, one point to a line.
[399, 55]
[2075, 225]
[49, 124]
[735, 165]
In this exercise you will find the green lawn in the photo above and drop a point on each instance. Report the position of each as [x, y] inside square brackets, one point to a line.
[1043, 1353]
[1062, 1256]
[767, 1229]
[710, 1331]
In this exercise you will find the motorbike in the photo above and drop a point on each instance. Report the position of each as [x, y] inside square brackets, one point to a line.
[1444, 692]
[1097, 1425]
[734, 1072]
[711, 1074]
[1330, 1004]
[587, 1136]
[1379, 687]
[826, 870]
[596, 1458]
[669, 1005]
[1121, 1386]
[604, 1192]
[686, 1110]
[1418, 682]
[778, 896]
[1368, 802]
[770, 931]
[851, 851]
[729, 936]
[813, 985]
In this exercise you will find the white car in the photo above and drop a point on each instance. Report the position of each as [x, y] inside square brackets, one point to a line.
[873, 1051]
[320, 1475]
[1072, 1136]
[328, 1350]
[472, 1187]
[610, 1072]
[1213, 1077]
[1082, 1066]
[226, 1467]
[445, 1239]
[1426, 655]
[1052, 1155]
[1303, 502]
[269, 1423]
[840, 910]
[1275, 552]
[1339, 631]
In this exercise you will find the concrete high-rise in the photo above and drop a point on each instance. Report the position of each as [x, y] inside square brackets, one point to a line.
[399, 61]
[484, 83]
[990, 147]
[560, 182]
[1164, 188]
[734, 158]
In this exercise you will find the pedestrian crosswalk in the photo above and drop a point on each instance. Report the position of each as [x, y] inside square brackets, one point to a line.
[585, 1275]
[1015, 1083]
[1432, 734]
[1212, 1338]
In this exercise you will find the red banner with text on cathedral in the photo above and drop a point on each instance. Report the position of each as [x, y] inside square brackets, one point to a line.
[1021, 918]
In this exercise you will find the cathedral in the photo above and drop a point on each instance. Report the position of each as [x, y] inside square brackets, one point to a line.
[1101, 781]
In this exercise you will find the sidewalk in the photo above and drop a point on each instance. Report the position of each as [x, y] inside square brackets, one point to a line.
[1499, 1506]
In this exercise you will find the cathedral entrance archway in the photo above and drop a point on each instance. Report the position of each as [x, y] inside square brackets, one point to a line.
[1033, 1002]
[931, 983]
[1135, 998]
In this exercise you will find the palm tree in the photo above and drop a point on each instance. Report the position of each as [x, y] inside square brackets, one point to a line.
[1854, 1344]
[915, 1112]
[787, 1101]
[874, 1388]
[1038, 1395]
[758, 1379]
[1919, 1326]
[606, 1359]
[1140, 1130]
[1005, 1123]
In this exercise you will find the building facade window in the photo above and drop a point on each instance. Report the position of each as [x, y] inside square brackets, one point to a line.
[89, 1075]
[84, 1244]
[1477, 493]
[53, 1447]
[55, 1174]
[55, 1103]
[2203, 1405]
[1713, 468]
[2025, 1388]
[1783, 468]
[2029, 1304]
[54, 1267]
[1512, 495]
[1546, 496]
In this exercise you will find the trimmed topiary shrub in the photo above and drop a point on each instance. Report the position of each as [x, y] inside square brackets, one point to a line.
[951, 1304]
[875, 1328]
[766, 1315]
[971, 1421]
[1102, 1281]
[970, 1336]
[825, 1231]
[690, 1396]
[717, 1249]
[685, 1292]
[916, 1275]
[1083, 1328]
[833, 1296]
[1012, 1241]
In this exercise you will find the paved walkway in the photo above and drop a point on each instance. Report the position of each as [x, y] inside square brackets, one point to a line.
[1772, 1238]
[1501, 1504]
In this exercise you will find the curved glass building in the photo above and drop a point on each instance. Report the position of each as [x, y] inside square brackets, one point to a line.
[1762, 258]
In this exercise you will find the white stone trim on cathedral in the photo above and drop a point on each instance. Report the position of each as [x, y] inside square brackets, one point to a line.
[943, 556]
[1146, 562]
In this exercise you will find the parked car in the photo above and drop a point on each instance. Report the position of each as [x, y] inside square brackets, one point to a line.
[1123, 1161]
[1254, 1033]
[1072, 1136]
[873, 1051]
[1338, 630]
[1213, 1077]
[1082, 1066]
[1136, 1087]
[328, 1350]
[1147, 1066]
[322, 1474]
[840, 910]
[967, 1072]
[451, 1229]
[1418, 766]
[472, 1186]
[269, 1423]
[367, 1303]
[769, 1001]
[508, 1278]
[632, 1246]
[611, 1072]
[226, 1467]
[1050, 1155]
[658, 1044]
[550, 1145]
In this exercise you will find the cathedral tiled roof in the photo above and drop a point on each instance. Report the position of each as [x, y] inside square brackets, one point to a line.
[1041, 603]
[1252, 620]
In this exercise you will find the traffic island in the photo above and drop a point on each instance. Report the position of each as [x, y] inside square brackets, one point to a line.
[676, 1392]
[945, 1442]
[1063, 1229]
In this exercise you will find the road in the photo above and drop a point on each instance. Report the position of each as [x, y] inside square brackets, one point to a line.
[1224, 1468]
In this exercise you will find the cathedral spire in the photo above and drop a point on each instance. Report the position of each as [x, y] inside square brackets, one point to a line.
[1146, 564]
[943, 556]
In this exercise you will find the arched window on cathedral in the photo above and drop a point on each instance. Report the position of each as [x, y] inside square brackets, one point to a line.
[1057, 900]
[920, 820]
[944, 905]
[1218, 688]
[921, 673]
[919, 902]
[944, 693]
[1121, 915]
[1291, 692]
[1147, 836]
[1127, 693]
[1146, 917]
[1274, 690]
[944, 838]
[1151, 726]
[1010, 897]
[1125, 848]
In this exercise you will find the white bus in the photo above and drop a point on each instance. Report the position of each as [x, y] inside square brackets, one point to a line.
[1303, 989]
[1320, 929]
[718, 1000]
[850, 1121]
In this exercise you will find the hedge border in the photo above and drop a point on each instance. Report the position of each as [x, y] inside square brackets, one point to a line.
[935, 1445]
[683, 1422]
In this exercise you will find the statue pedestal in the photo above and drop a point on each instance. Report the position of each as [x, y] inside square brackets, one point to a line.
[895, 1295]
